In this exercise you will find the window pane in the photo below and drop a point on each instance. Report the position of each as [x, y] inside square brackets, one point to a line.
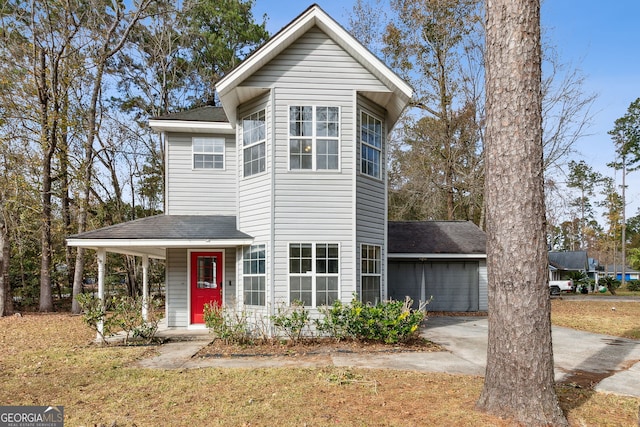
[208, 153]
[253, 261]
[371, 290]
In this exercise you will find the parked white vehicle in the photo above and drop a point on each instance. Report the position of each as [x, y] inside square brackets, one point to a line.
[558, 286]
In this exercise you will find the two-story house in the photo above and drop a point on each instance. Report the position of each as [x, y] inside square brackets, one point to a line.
[280, 194]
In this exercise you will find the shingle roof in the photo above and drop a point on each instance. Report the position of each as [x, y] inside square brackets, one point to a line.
[569, 260]
[166, 227]
[207, 113]
[436, 237]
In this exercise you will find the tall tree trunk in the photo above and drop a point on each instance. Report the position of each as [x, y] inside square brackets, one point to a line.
[48, 140]
[6, 297]
[519, 379]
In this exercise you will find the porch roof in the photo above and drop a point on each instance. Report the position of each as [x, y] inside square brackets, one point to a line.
[151, 236]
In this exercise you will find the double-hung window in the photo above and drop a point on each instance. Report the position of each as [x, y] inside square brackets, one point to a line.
[313, 273]
[253, 274]
[370, 145]
[314, 137]
[370, 274]
[208, 153]
[254, 143]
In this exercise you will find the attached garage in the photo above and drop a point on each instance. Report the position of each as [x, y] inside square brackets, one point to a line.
[441, 260]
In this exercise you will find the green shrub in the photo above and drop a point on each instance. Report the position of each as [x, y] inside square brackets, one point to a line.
[230, 326]
[292, 320]
[611, 283]
[389, 322]
[124, 313]
[633, 285]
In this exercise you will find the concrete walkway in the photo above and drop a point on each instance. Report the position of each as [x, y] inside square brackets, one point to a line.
[610, 362]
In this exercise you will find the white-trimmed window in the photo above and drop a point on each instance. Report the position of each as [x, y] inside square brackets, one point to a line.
[314, 273]
[314, 137]
[253, 274]
[370, 145]
[370, 274]
[208, 153]
[254, 136]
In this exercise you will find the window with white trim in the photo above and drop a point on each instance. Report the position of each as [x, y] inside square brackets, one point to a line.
[253, 274]
[254, 136]
[208, 153]
[314, 273]
[370, 273]
[314, 137]
[370, 145]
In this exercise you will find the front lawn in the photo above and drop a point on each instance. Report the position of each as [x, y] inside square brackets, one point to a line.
[50, 359]
[610, 317]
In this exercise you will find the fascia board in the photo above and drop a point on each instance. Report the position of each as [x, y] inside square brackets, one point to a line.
[160, 243]
[191, 126]
[437, 256]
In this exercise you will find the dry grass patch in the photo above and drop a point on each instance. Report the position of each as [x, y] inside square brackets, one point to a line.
[51, 360]
[617, 318]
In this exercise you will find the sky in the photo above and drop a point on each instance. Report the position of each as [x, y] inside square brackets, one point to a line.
[601, 39]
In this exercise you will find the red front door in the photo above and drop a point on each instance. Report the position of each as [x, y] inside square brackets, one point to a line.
[206, 282]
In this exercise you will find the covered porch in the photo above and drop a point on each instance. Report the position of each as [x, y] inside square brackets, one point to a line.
[205, 239]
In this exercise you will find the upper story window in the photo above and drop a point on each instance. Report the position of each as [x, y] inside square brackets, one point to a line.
[254, 136]
[314, 137]
[208, 153]
[370, 145]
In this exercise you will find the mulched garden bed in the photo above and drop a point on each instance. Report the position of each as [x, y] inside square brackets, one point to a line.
[312, 347]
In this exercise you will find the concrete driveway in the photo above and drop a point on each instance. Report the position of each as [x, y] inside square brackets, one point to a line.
[580, 357]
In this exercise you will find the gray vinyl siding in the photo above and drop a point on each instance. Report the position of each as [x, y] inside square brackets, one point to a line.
[254, 195]
[177, 288]
[308, 206]
[199, 191]
[230, 278]
[371, 196]
[483, 285]
[315, 58]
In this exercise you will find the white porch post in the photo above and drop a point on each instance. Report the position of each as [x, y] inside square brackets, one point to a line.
[145, 287]
[102, 259]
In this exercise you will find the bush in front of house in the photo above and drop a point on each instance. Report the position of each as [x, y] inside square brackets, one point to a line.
[121, 313]
[292, 320]
[389, 322]
[228, 325]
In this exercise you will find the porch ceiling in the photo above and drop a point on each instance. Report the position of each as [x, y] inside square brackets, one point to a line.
[153, 235]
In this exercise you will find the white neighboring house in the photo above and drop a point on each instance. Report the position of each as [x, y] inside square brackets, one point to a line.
[280, 194]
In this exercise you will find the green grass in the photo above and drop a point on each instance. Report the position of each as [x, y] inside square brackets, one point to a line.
[50, 359]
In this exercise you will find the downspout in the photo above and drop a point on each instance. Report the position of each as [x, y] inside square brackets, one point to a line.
[163, 142]
[145, 288]
[102, 258]
[357, 262]
[272, 263]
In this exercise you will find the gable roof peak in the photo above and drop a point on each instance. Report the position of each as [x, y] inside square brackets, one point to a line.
[313, 16]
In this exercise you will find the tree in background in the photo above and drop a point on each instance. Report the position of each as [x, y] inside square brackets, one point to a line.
[613, 213]
[583, 178]
[439, 163]
[436, 168]
[519, 379]
[63, 69]
[221, 34]
[626, 137]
